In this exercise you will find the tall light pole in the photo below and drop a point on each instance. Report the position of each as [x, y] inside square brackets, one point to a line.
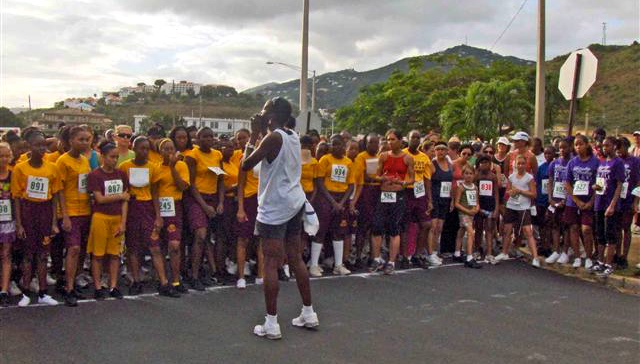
[313, 82]
[540, 75]
[305, 57]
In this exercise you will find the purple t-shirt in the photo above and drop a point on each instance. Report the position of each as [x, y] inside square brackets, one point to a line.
[579, 170]
[612, 171]
[558, 171]
[631, 177]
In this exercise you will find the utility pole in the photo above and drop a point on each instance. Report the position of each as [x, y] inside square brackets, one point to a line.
[604, 33]
[540, 74]
[305, 57]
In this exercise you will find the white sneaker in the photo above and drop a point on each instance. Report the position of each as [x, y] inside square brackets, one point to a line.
[286, 270]
[490, 259]
[259, 281]
[24, 301]
[577, 263]
[315, 271]
[501, 257]
[535, 263]
[82, 281]
[434, 260]
[14, 290]
[307, 321]
[588, 263]
[34, 285]
[47, 300]
[241, 283]
[341, 270]
[269, 331]
[50, 280]
[564, 258]
[232, 268]
[552, 258]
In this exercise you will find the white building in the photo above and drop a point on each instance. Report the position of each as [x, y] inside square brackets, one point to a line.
[126, 91]
[181, 88]
[219, 126]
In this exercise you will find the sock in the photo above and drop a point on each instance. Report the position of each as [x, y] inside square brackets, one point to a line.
[469, 257]
[307, 310]
[316, 248]
[338, 246]
[378, 260]
[393, 264]
[271, 320]
[456, 253]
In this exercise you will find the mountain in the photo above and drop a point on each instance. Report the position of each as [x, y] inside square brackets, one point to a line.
[337, 89]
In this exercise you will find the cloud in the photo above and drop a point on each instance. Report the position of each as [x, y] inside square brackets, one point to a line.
[55, 49]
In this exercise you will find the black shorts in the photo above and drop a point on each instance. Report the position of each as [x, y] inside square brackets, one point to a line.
[607, 228]
[290, 228]
[389, 217]
[518, 218]
[441, 207]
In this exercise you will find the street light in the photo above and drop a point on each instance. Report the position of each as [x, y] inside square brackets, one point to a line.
[313, 84]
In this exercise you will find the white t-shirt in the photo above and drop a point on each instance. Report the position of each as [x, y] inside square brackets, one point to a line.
[521, 202]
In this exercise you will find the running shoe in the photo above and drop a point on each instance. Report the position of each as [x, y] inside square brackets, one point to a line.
[434, 260]
[4, 299]
[577, 263]
[606, 271]
[269, 331]
[282, 276]
[459, 258]
[14, 290]
[597, 268]
[404, 263]
[70, 299]
[308, 321]
[472, 264]
[588, 263]
[376, 265]
[135, 288]
[181, 288]
[535, 263]
[168, 291]
[502, 256]
[552, 258]
[287, 271]
[564, 258]
[78, 295]
[232, 268]
[341, 270]
[491, 259]
[197, 285]
[623, 263]
[259, 281]
[101, 294]
[115, 293]
[389, 268]
[25, 300]
[241, 283]
[47, 300]
[416, 261]
[315, 271]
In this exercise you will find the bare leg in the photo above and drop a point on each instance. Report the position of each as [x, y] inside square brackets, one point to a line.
[114, 266]
[6, 266]
[71, 266]
[294, 256]
[96, 271]
[528, 232]
[273, 255]
[158, 263]
[394, 248]
[196, 254]
[174, 259]
[587, 240]
[241, 256]
[506, 238]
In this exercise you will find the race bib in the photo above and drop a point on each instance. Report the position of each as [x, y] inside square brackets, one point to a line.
[167, 207]
[552, 209]
[418, 189]
[5, 210]
[113, 187]
[601, 182]
[372, 165]
[624, 190]
[515, 199]
[445, 189]
[472, 198]
[534, 211]
[387, 197]
[139, 177]
[217, 170]
[82, 183]
[339, 173]
[559, 191]
[37, 187]
[544, 185]
[636, 192]
[486, 188]
[581, 188]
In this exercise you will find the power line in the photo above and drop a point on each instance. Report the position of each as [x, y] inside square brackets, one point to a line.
[508, 25]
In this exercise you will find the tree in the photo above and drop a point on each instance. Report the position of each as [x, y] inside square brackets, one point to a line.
[159, 82]
[7, 118]
[141, 84]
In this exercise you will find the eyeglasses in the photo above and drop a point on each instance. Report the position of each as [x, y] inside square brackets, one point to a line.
[124, 136]
[489, 151]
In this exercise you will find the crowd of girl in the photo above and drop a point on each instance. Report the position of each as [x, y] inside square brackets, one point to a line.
[383, 202]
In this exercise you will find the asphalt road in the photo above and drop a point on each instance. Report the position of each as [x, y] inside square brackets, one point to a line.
[509, 313]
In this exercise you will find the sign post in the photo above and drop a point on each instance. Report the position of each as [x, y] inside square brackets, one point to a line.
[577, 75]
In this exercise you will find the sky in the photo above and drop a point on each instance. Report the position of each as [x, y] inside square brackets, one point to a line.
[53, 49]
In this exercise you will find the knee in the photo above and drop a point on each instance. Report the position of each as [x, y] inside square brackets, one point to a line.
[587, 230]
[174, 247]
[73, 251]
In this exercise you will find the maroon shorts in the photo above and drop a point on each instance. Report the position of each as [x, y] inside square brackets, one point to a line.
[172, 225]
[245, 229]
[575, 216]
[416, 208]
[140, 233]
[366, 207]
[36, 220]
[555, 219]
[336, 224]
[226, 223]
[197, 217]
[79, 233]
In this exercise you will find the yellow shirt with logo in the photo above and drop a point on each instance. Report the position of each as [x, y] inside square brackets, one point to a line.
[422, 166]
[231, 177]
[155, 157]
[309, 173]
[21, 184]
[73, 174]
[141, 193]
[166, 184]
[335, 171]
[206, 181]
[360, 168]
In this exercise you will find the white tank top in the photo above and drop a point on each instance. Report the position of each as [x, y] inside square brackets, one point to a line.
[280, 194]
[521, 202]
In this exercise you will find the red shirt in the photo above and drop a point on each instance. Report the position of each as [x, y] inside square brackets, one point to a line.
[107, 184]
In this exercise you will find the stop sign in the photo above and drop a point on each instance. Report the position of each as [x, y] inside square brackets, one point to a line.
[588, 70]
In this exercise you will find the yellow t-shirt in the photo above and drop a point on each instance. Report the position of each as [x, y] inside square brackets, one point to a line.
[365, 161]
[251, 182]
[422, 165]
[52, 157]
[150, 176]
[237, 157]
[35, 184]
[155, 157]
[166, 184]
[337, 173]
[309, 173]
[73, 174]
[231, 177]
[206, 181]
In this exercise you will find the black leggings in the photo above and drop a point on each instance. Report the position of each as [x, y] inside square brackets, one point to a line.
[606, 228]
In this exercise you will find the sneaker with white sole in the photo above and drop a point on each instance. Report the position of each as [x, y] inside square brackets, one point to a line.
[241, 283]
[308, 321]
[434, 260]
[564, 258]
[259, 281]
[269, 331]
[14, 290]
[552, 258]
[47, 300]
[606, 271]
[24, 301]
[341, 270]
[286, 270]
[577, 263]
[315, 271]
[502, 256]
[588, 263]
[491, 259]
[535, 262]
